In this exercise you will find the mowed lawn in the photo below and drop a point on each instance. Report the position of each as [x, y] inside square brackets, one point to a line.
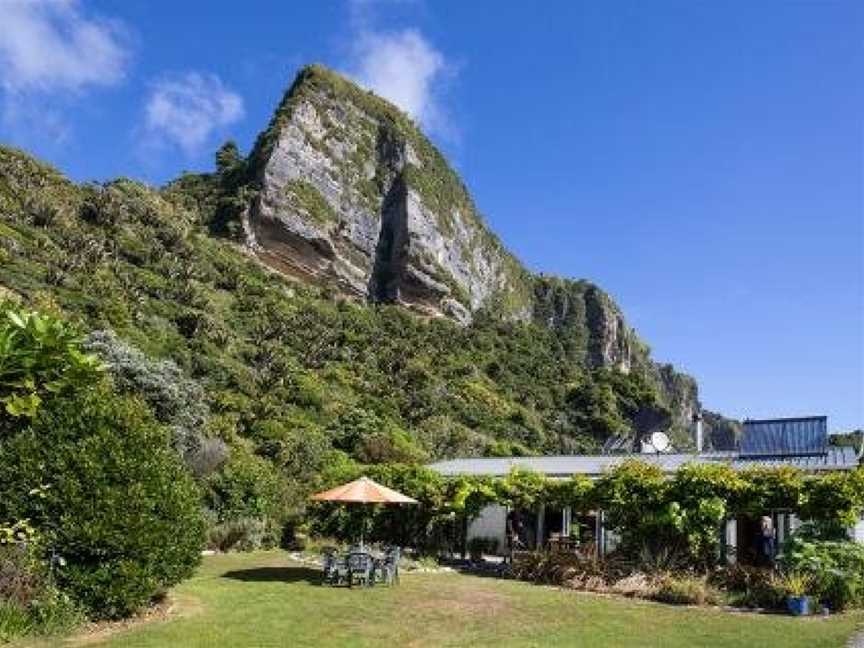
[264, 599]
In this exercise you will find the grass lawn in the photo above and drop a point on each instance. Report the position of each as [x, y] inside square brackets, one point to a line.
[263, 599]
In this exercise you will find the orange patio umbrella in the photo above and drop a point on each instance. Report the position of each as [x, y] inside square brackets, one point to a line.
[363, 491]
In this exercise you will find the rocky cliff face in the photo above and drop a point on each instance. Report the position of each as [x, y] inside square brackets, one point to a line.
[594, 330]
[589, 321]
[351, 194]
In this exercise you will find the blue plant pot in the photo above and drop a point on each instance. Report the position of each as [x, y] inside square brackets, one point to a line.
[798, 605]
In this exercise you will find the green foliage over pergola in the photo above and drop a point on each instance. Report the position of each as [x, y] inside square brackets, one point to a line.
[647, 509]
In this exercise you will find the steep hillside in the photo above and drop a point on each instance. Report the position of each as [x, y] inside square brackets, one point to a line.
[347, 192]
[287, 291]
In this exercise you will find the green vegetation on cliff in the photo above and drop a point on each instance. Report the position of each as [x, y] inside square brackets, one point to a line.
[294, 378]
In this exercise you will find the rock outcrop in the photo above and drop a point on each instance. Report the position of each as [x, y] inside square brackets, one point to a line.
[351, 193]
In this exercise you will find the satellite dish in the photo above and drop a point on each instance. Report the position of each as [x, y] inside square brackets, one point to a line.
[659, 441]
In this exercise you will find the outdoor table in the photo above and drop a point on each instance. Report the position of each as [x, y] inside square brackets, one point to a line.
[377, 557]
[565, 545]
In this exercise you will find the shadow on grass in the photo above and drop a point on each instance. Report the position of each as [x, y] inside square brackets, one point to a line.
[275, 575]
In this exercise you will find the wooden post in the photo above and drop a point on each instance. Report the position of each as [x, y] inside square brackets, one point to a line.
[464, 536]
[541, 523]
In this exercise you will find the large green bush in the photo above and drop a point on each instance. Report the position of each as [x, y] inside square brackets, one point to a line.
[834, 502]
[249, 502]
[699, 499]
[176, 400]
[634, 497]
[835, 568]
[113, 499]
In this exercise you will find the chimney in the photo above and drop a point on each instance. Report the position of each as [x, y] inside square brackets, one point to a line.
[697, 419]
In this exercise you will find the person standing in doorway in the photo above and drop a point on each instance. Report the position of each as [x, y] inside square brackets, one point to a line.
[515, 530]
[766, 542]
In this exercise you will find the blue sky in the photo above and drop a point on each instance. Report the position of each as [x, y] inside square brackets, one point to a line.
[701, 161]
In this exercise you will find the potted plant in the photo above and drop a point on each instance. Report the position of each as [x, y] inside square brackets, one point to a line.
[796, 587]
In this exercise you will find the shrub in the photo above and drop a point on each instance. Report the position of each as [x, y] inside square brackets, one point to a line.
[755, 587]
[176, 400]
[55, 613]
[794, 584]
[246, 487]
[553, 568]
[14, 621]
[656, 560]
[836, 569]
[39, 356]
[569, 570]
[116, 503]
[834, 503]
[30, 603]
[242, 534]
[687, 590]
[21, 579]
[634, 496]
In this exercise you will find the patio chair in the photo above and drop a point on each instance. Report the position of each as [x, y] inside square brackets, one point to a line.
[360, 569]
[389, 566]
[335, 567]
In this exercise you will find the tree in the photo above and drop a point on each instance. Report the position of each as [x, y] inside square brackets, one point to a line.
[228, 161]
[114, 499]
[177, 401]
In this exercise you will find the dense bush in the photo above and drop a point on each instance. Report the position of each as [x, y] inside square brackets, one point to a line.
[39, 357]
[755, 587]
[176, 400]
[835, 569]
[834, 503]
[699, 498]
[687, 589]
[633, 495]
[248, 501]
[113, 499]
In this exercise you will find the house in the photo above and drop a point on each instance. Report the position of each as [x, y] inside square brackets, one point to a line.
[799, 442]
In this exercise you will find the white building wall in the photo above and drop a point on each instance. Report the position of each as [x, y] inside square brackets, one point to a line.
[491, 523]
[857, 532]
[731, 540]
[794, 523]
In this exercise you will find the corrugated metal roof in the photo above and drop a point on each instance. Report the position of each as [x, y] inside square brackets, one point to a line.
[834, 458]
[595, 465]
[786, 437]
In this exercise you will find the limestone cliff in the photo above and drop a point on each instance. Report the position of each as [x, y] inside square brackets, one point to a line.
[348, 192]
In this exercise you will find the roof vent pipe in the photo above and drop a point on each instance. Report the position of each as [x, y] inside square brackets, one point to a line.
[697, 419]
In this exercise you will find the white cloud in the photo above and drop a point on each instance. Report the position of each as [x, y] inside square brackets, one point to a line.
[404, 68]
[187, 109]
[49, 45]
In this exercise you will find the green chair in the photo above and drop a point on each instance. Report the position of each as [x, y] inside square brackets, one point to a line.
[361, 569]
